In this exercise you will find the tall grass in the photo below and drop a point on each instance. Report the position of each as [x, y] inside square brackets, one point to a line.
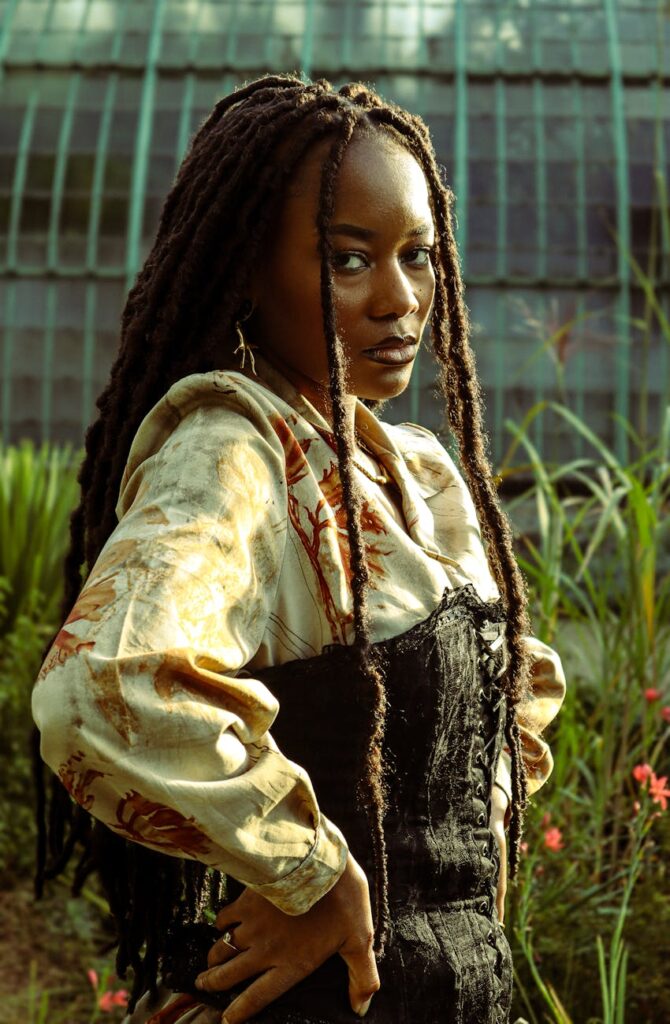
[38, 490]
[597, 559]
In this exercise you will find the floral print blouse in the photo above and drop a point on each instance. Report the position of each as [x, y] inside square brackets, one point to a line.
[231, 554]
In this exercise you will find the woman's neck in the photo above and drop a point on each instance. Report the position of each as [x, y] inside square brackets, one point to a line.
[316, 393]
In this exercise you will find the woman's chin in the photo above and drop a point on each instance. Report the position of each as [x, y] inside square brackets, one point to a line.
[388, 385]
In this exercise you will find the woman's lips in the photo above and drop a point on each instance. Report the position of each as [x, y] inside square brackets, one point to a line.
[392, 354]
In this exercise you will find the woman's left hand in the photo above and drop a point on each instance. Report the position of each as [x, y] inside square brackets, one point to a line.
[499, 805]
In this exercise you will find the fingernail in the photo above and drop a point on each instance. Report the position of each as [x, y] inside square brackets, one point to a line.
[199, 982]
[364, 1007]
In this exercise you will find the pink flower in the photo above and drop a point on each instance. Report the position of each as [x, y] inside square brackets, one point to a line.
[665, 713]
[546, 818]
[658, 790]
[524, 847]
[636, 808]
[92, 977]
[642, 772]
[108, 1000]
[652, 694]
[553, 839]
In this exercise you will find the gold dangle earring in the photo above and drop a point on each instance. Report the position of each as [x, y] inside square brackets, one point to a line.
[244, 346]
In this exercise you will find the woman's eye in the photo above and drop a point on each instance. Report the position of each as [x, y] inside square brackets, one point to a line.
[420, 257]
[342, 260]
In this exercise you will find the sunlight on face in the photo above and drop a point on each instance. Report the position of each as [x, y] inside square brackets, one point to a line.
[382, 234]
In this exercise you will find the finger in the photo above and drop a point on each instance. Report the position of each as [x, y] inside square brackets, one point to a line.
[224, 976]
[363, 976]
[228, 916]
[222, 951]
[502, 879]
[263, 991]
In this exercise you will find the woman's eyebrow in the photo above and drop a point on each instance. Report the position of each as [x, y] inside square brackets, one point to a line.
[355, 231]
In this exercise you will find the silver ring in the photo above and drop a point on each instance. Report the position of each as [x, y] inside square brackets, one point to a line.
[227, 940]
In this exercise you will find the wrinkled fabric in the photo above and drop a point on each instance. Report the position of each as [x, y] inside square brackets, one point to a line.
[231, 555]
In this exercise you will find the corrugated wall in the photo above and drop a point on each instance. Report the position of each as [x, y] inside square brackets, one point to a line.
[553, 122]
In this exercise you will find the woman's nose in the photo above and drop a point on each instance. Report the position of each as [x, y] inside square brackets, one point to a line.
[393, 294]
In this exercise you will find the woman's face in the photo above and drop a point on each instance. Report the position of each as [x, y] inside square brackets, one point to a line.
[382, 234]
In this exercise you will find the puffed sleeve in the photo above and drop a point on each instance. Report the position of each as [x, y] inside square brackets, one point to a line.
[139, 705]
[545, 695]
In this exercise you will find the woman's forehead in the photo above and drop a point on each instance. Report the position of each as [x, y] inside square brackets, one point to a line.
[377, 174]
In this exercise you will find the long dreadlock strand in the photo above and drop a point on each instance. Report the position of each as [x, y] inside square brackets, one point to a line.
[464, 408]
[152, 385]
[372, 787]
[202, 255]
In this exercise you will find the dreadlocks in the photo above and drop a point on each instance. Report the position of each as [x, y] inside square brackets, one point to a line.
[178, 320]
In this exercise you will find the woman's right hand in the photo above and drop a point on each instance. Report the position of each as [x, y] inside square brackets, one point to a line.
[278, 949]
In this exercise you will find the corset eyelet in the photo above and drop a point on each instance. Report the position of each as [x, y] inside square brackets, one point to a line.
[481, 820]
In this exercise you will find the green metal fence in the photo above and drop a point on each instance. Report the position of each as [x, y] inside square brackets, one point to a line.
[551, 119]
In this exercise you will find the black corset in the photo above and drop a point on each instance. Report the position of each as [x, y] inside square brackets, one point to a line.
[447, 958]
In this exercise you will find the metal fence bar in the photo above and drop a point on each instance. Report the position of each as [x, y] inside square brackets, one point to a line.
[185, 114]
[347, 35]
[81, 36]
[97, 186]
[501, 258]
[579, 357]
[417, 374]
[622, 402]
[5, 32]
[48, 360]
[142, 147]
[580, 134]
[88, 355]
[9, 316]
[58, 183]
[500, 374]
[232, 35]
[662, 186]
[307, 48]
[117, 42]
[541, 242]
[19, 182]
[461, 132]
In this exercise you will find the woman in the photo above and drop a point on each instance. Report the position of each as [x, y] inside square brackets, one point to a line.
[291, 662]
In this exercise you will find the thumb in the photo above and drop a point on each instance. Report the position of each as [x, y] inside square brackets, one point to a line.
[363, 976]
